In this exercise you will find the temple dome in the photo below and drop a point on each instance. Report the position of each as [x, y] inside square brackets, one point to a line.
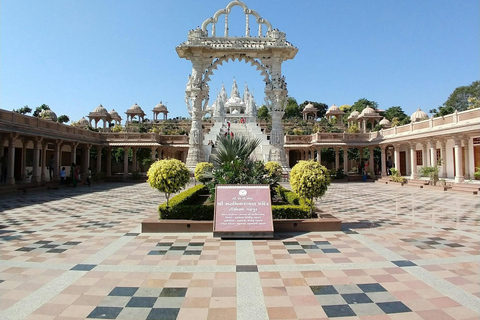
[419, 115]
[334, 108]
[310, 107]
[48, 115]
[135, 108]
[385, 122]
[368, 110]
[100, 109]
[115, 116]
[160, 107]
[82, 122]
[353, 115]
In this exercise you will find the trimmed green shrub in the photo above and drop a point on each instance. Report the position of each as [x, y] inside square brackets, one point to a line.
[168, 176]
[274, 170]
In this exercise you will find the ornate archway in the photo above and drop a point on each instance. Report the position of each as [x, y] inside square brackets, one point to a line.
[207, 52]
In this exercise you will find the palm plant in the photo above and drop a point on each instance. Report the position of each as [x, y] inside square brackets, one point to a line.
[230, 149]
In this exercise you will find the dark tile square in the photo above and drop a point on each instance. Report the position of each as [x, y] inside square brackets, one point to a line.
[247, 268]
[163, 314]
[330, 250]
[71, 243]
[173, 292]
[436, 238]
[309, 246]
[296, 251]
[430, 242]
[56, 250]
[453, 245]
[353, 298]
[393, 307]
[26, 249]
[192, 253]
[164, 244]
[408, 240]
[350, 232]
[178, 248]
[157, 253]
[196, 244]
[404, 263]
[291, 243]
[371, 287]
[105, 313]
[141, 302]
[123, 291]
[42, 242]
[342, 310]
[84, 267]
[131, 234]
[49, 246]
[319, 290]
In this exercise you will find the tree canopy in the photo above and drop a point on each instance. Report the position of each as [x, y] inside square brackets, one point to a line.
[321, 108]
[458, 99]
[263, 114]
[63, 118]
[397, 116]
[39, 109]
[24, 110]
[292, 110]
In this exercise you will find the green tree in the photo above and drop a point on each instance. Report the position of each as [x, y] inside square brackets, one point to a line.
[39, 109]
[442, 111]
[24, 110]
[274, 170]
[321, 108]
[458, 99]
[63, 119]
[397, 116]
[292, 110]
[362, 104]
[309, 180]
[168, 176]
[263, 114]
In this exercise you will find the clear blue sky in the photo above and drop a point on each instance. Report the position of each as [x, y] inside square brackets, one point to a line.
[74, 55]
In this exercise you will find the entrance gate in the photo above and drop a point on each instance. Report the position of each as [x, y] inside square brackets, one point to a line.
[207, 52]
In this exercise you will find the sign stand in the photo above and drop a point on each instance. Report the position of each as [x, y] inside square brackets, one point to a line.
[243, 211]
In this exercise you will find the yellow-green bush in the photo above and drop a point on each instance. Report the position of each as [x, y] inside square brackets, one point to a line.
[203, 172]
[274, 170]
[168, 176]
[309, 180]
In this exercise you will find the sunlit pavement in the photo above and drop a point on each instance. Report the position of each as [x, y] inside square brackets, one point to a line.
[77, 253]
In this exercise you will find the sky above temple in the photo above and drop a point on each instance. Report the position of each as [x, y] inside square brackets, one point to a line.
[75, 55]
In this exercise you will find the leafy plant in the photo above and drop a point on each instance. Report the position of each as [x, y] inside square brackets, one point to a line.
[476, 174]
[203, 172]
[168, 176]
[234, 148]
[431, 172]
[309, 180]
[274, 170]
[396, 177]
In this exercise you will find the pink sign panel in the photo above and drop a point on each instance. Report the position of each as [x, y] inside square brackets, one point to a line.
[243, 208]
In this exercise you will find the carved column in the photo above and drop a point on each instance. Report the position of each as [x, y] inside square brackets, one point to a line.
[425, 154]
[11, 159]
[36, 159]
[153, 154]
[371, 160]
[337, 158]
[433, 153]
[345, 160]
[24, 159]
[99, 159]
[56, 159]
[458, 160]
[109, 162]
[73, 152]
[467, 158]
[43, 164]
[396, 154]
[125, 162]
[383, 161]
[413, 159]
[134, 159]
[319, 155]
[444, 158]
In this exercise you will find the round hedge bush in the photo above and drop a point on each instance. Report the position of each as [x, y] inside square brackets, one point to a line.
[168, 176]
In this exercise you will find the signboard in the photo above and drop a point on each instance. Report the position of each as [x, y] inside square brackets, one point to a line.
[476, 140]
[243, 211]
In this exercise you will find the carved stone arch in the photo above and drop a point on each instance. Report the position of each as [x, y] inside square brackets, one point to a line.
[254, 63]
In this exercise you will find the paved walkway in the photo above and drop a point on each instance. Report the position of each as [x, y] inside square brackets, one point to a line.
[404, 253]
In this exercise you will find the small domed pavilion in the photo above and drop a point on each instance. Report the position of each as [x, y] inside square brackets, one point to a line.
[335, 111]
[115, 117]
[160, 108]
[100, 113]
[134, 111]
[418, 115]
[309, 112]
[368, 115]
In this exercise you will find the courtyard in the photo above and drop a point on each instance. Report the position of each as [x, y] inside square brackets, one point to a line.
[78, 253]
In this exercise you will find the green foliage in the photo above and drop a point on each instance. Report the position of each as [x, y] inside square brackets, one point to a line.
[442, 111]
[309, 180]
[458, 100]
[63, 119]
[168, 176]
[321, 107]
[353, 129]
[204, 172]
[274, 170]
[396, 177]
[263, 114]
[476, 174]
[292, 109]
[180, 206]
[116, 128]
[431, 172]
[39, 109]
[229, 149]
[23, 110]
[397, 116]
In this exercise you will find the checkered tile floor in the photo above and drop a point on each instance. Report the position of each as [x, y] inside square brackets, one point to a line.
[79, 253]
